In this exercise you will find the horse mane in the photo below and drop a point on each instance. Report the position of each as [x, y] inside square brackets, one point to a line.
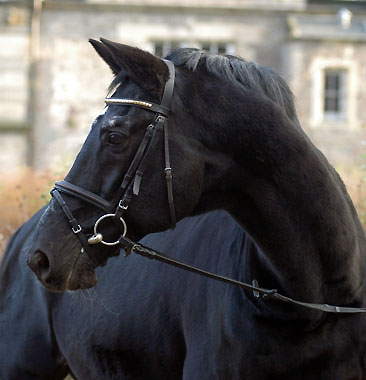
[236, 70]
[248, 75]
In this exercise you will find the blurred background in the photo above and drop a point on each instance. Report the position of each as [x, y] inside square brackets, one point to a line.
[52, 84]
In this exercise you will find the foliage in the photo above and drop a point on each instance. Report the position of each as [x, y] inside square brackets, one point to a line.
[356, 185]
[361, 190]
[21, 194]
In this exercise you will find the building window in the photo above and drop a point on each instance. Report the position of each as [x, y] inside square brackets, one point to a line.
[217, 48]
[162, 48]
[335, 93]
[334, 101]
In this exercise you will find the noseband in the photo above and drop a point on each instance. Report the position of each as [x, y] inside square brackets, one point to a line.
[132, 180]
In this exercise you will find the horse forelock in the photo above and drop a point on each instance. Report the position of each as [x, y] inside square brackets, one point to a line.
[236, 70]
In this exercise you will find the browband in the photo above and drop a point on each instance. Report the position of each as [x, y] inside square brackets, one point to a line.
[162, 108]
[157, 108]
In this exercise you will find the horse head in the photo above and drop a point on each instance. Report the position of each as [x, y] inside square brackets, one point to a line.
[121, 184]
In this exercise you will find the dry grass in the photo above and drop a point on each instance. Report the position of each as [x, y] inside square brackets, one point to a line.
[22, 193]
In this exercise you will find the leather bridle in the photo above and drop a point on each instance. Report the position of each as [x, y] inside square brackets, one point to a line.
[132, 179]
[130, 187]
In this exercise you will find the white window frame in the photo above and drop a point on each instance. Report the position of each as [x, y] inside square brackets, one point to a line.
[319, 117]
[213, 45]
[341, 112]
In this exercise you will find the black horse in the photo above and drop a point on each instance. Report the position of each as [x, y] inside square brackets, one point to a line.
[235, 145]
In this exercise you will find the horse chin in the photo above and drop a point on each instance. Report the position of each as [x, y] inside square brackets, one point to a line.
[86, 281]
[82, 275]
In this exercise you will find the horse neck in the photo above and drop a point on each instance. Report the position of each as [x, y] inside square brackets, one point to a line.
[296, 208]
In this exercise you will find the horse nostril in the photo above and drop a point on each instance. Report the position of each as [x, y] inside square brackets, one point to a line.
[41, 260]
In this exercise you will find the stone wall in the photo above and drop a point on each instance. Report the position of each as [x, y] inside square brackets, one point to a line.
[71, 81]
[14, 61]
[235, 4]
[342, 140]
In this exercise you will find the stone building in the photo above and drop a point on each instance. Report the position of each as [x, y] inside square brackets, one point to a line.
[52, 83]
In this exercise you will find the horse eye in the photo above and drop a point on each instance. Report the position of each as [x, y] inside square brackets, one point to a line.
[115, 138]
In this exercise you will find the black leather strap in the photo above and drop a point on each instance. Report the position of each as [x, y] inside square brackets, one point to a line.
[138, 156]
[167, 102]
[76, 228]
[85, 195]
[137, 167]
[169, 176]
[141, 168]
[150, 253]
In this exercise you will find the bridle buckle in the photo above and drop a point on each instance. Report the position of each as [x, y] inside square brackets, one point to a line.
[122, 206]
[76, 229]
[168, 173]
[159, 122]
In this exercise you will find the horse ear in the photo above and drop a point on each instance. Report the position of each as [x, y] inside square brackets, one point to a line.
[106, 55]
[144, 68]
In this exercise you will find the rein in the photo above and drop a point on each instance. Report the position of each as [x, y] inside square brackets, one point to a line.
[130, 187]
[258, 292]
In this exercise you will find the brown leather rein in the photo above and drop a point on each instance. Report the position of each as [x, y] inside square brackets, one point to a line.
[131, 186]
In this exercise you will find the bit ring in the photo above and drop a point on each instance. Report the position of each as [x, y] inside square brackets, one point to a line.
[105, 217]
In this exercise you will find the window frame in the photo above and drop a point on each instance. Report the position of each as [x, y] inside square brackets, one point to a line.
[337, 95]
[215, 47]
[348, 117]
